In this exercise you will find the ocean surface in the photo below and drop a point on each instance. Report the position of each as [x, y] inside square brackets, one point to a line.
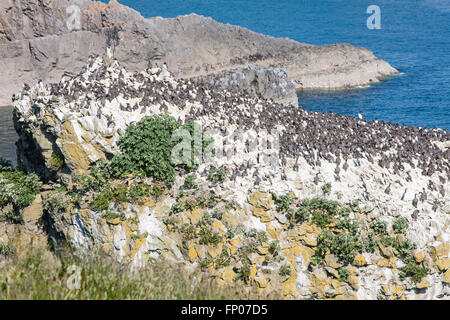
[414, 38]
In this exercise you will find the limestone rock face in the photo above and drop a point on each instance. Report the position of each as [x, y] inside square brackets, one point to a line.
[44, 39]
[275, 156]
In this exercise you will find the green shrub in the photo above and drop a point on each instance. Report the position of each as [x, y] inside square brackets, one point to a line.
[345, 246]
[400, 225]
[146, 149]
[349, 225]
[197, 144]
[379, 227]
[218, 175]
[176, 208]
[283, 202]
[139, 190]
[6, 249]
[413, 270]
[343, 274]
[223, 260]
[285, 270]
[102, 201]
[274, 248]
[57, 160]
[326, 188]
[17, 189]
[320, 219]
[56, 202]
[189, 182]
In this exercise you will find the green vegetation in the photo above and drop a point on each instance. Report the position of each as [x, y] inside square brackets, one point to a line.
[403, 248]
[400, 225]
[17, 190]
[322, 211]
[223, 260]
[413, 270]
[285, 270]
[274, 248]
[379, 227]
[6, 249]
[43, 275]
[57, 201]
[242, 273]
[326, 188]
[343, 274]
[343, 245]
[147, 149]
[57, 160]
[218, 175]
[283, 202]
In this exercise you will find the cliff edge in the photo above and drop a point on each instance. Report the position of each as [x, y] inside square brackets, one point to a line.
[44, 39]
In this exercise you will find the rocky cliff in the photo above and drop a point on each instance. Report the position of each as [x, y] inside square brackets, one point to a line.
[44, 39]
[306, 204]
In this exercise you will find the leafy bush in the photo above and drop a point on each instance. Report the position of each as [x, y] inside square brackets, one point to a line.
[189, 182]
[56, 202]
[139, 190]
[345, 246]
[321, 210]
[343, 274]
[400, 225]
[176, 208]
[320, 219]
[274, 248]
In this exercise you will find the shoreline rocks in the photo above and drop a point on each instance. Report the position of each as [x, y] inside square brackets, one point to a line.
[38, 44]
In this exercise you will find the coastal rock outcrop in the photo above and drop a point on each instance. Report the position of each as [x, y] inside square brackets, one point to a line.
[44, 39]
[307, 204]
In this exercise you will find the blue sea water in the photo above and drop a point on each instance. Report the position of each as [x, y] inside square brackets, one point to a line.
[414, 38]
